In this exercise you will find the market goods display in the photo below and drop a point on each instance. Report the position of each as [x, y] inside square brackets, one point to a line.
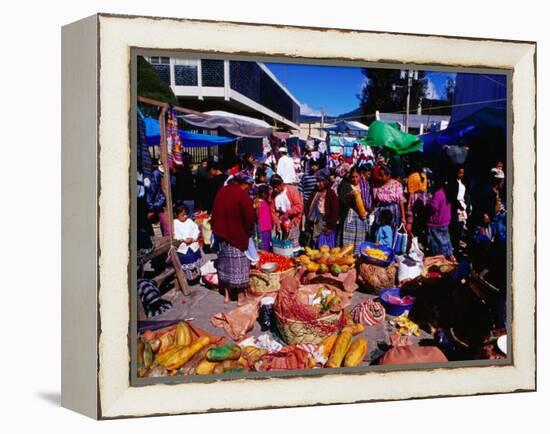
[265, 282]
[437, 266]
[283, 263]
[326, 260]
[369, 312]
[224, 352]
[356, 353]
[395, 302]
[375, 278]
[405, 327]
[339, 350]
[376, 254]
[303, 317]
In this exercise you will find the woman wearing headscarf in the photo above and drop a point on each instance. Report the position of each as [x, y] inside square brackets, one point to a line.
[354, 223]
[287, 206]
[389, 195]
[233, 219]
[322, 213]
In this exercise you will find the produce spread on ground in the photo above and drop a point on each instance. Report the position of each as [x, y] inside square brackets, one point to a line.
[311, 316]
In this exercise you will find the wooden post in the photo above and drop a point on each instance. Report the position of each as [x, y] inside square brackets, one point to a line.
[166, 184]
[180, 277]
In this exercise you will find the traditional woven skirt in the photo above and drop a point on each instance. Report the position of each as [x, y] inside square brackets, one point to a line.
[294, 235]
[439, 241]
[233, 267]
[354, 230]
[190, 263]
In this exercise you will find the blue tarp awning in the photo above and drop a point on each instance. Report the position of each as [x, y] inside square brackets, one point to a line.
[189, 140]
[467, 130]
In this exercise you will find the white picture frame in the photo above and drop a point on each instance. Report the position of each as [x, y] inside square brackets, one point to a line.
[96, 110]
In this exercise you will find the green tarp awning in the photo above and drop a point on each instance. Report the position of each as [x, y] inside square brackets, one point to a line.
[389, 135]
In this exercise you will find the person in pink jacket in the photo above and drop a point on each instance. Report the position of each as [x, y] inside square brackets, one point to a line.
[265, 222]
[287, 208]
[439, 210]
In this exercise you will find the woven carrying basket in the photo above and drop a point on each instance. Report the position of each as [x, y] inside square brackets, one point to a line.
[264, 283]
[298, 332]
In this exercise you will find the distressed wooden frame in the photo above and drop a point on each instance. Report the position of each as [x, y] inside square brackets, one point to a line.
[96, 215]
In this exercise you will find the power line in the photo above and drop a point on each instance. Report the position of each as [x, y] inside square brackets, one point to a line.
[493, 80]
[427, 108]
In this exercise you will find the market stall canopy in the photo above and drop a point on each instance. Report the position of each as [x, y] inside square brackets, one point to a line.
[237, 125]
[390, 136]
[189, 140]
[347, 126]
[468, 128]
[484, 132]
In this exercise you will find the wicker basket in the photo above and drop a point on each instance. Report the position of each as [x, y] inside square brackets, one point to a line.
[264, 283]
[298, 332]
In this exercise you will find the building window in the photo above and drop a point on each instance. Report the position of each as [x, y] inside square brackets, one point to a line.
[212, 72]
[185, 71]
[159, 60]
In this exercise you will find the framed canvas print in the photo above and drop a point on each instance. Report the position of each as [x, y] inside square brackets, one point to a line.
[259, 216]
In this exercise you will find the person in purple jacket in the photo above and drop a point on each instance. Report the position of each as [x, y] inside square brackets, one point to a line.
[439, 211]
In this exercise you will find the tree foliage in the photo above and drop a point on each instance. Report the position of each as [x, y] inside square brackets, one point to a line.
[150, 85]
[384, 90]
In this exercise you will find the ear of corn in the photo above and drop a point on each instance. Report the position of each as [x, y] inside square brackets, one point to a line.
[356, 353]
[341, 346]
[360, 205]
[182, 334]
[183, 354]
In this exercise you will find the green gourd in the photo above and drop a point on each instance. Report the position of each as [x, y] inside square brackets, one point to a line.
[223, 352]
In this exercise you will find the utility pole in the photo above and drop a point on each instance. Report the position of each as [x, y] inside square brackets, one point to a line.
[410, 75]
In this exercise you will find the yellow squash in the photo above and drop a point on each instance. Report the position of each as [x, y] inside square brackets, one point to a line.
[327, 344]
[180, 357]
[205, 367]
[341, 346]
[356, 353]
[183, 334]
[166, 342]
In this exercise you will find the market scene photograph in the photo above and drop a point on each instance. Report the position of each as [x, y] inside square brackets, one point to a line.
[310, 217]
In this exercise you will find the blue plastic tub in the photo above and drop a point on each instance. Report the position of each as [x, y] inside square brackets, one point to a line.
[391, 308]
[375, 261]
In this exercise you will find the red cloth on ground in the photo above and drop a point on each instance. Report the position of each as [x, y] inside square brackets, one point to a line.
[233, 216]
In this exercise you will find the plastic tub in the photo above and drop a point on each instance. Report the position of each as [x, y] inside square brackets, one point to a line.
[375, 261]
[391, 308]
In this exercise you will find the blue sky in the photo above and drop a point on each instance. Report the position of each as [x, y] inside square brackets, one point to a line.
[333, 89]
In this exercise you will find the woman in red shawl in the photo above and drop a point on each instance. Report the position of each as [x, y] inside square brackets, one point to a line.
[233, 219]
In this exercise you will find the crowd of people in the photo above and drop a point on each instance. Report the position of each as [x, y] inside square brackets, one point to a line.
[319, 199]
